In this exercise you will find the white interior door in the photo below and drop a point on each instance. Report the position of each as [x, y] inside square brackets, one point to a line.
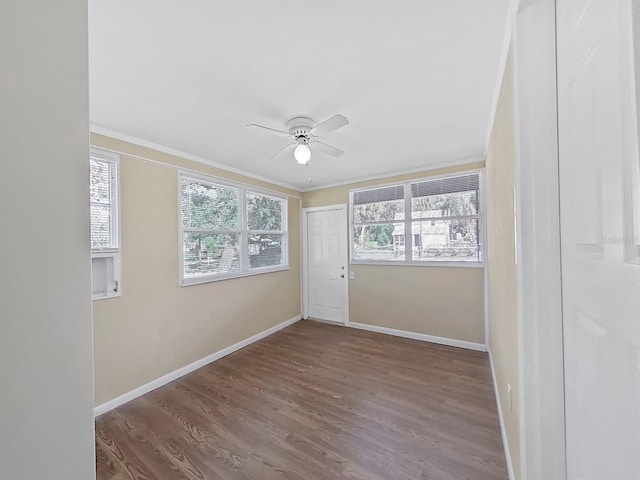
[599, 194]
[326, 262]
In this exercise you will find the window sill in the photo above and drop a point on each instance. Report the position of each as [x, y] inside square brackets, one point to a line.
[105, 296]
[187, 282]
[445, 264]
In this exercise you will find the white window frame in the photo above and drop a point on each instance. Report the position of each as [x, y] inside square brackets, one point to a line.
[243, 232]
[408, 220]
[113, 253]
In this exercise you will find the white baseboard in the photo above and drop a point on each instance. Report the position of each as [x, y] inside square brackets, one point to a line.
[503, 431]
[420, 336]
[170, 377]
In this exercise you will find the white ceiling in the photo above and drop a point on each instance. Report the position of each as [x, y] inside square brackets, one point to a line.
[416, 79]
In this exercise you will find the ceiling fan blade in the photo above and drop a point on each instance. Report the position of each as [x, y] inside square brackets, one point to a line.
[335, 122]
[288, 145]
[333, 151]
[268, 128]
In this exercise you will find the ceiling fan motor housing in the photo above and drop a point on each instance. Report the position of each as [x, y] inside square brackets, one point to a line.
[300, 127]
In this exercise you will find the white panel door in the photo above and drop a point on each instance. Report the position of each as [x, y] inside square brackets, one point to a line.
[327, 264]
[599, 165]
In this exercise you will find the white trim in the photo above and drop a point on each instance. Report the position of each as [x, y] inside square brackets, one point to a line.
[323, 208]
[187, 156]
[216, 181]
[301, 258]
[305, 260]
[451, 342]
[170, 377]
[396, 173]
[485, 258]
[542, 436]
[433, 263]
[196, 172]
[194, 158]
[409, 181]
[104, 154]
[219, 277]
[485, 282]
[503, 431]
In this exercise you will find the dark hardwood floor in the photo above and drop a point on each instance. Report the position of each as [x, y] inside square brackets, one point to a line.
[314, 401]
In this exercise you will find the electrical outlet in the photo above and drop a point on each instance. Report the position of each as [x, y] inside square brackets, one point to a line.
[352, 275]
[509, 396]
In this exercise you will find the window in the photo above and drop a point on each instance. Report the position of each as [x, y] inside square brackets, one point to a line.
[228, 231]
[419, 222]
[105, 232]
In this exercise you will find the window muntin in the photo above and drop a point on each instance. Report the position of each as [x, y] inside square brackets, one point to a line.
[229, 231]
[443, 225]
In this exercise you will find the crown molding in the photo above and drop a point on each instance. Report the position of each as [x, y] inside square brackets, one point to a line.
[395, 173]
[514, 5]
[187, 156]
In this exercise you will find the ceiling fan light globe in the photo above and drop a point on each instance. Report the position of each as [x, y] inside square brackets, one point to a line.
[302, 154]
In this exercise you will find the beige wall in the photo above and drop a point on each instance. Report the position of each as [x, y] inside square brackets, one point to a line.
[502, 273]
[156, 326]
[46, 374]
[442, 301]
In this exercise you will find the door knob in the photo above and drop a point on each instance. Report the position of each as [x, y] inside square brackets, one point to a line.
[342, 275]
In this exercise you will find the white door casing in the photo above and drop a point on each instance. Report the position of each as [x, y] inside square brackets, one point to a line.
[598, 147]
[542, 423]
[325, 263]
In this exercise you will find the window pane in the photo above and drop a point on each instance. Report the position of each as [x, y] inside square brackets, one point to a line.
[460, 183]
[445, 205]
[100, 175]
[446, 197]
[265, 250]
[446, 240]
[206, 254]
[101, 226]
[264, 212]
[103, 197]
[208, 206]
[378, 204]
[379, 242]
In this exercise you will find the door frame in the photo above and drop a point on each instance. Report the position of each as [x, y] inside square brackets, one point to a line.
[305, 258]
[540, 316]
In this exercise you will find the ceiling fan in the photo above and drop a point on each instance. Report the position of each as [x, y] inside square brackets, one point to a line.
[303, 133]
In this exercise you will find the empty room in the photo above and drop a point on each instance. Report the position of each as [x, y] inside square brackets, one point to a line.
[314, 241]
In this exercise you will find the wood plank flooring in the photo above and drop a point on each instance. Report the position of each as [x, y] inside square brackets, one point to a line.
[314, 402]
